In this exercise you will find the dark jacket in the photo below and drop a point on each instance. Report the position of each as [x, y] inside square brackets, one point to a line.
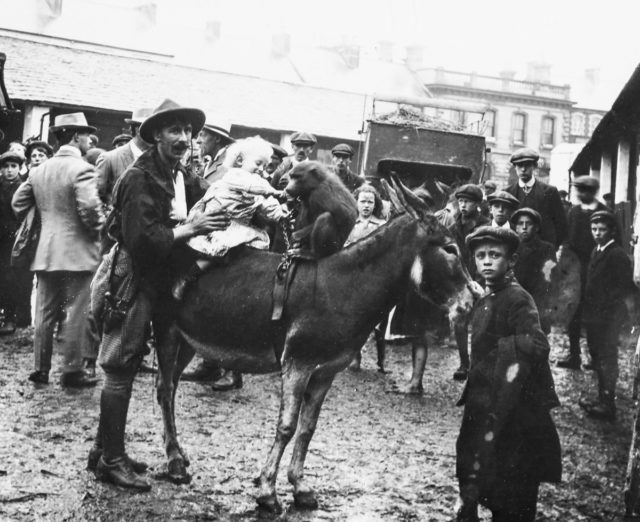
[609, 282]
[461, 230]
[546, 200]
[141, 217]
[351, 181]
[530, 270]
[507, 432]
[579, 237]
[9, 223]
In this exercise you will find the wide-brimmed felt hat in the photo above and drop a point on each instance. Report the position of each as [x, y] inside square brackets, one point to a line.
[72, 121]
[303, 137]
[588, 182]
[502, 196]
[503, 236]
[219, 129]
[598, 216]
[121, 138]
[524, 155]
[11, 156]
[139, 115]
[169, 109]
[342, 149]
[38, 144]
[526, 211]
[279, 151]
[470, 191]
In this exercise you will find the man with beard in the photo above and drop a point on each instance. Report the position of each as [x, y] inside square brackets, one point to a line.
[341, 156]
[303, 144]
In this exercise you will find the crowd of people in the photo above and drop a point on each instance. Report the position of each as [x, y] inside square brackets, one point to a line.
[191, 193]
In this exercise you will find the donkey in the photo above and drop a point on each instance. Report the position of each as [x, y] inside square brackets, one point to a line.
[333, 305]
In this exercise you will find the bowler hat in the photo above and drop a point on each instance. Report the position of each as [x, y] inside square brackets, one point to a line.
[342, 149]
[526, 211]
[303, 137]
[72, 121]
[525, 155]
[219, 130]
[470, 191]
[169, 109]
[588, 182]
[121, 138]
[597, 217]
[503, 236]
[11, 156]
[38, 144]
[502, 196]
[138, 116]
[279, 151]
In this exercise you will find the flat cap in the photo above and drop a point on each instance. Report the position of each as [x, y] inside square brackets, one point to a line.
[342, 149]
[484, 234]
[526, 211]
[16, 157]
[525, 155]
[121, 138]
[470, 191]
[489, 184]
[588, 182]
[279, 151]
[600, 216]
[303, 137]
[502, 196]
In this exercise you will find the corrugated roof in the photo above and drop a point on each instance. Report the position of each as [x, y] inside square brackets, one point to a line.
[51, 73]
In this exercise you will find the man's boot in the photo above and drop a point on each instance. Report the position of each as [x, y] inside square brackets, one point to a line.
[114, 466]
[573, 361]
[96, 452]
[381, 348]
[230, 380]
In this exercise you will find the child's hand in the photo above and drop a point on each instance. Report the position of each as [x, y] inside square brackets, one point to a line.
[280, 195]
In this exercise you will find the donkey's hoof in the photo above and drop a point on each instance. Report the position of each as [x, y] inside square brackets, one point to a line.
[269, 503]
[305, 500]
[177, 472]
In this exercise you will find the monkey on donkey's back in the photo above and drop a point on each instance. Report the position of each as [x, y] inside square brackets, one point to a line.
[327, 210]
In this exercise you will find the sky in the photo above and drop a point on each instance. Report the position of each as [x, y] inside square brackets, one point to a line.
[484, 36]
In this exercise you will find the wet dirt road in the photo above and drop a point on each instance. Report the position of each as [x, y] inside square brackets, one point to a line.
[376, 455]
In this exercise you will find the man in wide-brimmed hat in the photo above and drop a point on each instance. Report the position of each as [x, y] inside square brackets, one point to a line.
[111, 165]
[150, 205]
[214, 138]
[65, 192]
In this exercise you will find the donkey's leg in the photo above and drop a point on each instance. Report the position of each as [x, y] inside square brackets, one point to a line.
[314, 397]
[294, 382]
[168, 347]
[185, 355]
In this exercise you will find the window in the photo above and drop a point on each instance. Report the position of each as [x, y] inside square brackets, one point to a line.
[519, 128]
[577, 124]
[490, 124]
[548, 131]
[594, 119]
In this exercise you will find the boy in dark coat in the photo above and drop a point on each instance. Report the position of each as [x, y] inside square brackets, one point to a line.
[468, 219]
[580, 241]
[609, 280]
[508, 443]
[535, 259]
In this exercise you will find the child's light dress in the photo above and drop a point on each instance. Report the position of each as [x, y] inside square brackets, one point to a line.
[242, 195]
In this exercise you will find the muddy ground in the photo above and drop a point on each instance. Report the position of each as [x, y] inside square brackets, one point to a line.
[376, 456]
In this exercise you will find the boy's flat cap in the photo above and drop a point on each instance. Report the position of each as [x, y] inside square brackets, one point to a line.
[588, 182]
[504, 236]
[502, 196]
[526, 211]
[525, 155]
[600, 216]
[470, 191]
[342, 149]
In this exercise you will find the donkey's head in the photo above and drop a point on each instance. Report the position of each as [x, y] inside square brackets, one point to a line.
[438, 272]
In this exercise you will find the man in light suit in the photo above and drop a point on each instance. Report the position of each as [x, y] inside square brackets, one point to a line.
[213, 141]
[535, 194]
[112, 164]
[65, 192]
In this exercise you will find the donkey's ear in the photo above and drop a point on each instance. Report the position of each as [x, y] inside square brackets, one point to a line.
[396, 206]
[402, 191]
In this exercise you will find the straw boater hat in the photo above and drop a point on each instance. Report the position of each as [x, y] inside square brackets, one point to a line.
[138, 116]
[73, 121]
[169, 109]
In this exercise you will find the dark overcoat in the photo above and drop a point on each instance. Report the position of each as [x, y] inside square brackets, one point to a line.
[461, 230]
[507, 433]
[546, 200]
[579, 237]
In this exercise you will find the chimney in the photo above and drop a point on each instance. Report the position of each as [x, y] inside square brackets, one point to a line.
[351, 55]
[539, 72]
[212, 31]
[591, 80]
[385, 50]
[280, 45]
[48, 11]
[146, 15]
[415, 56]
